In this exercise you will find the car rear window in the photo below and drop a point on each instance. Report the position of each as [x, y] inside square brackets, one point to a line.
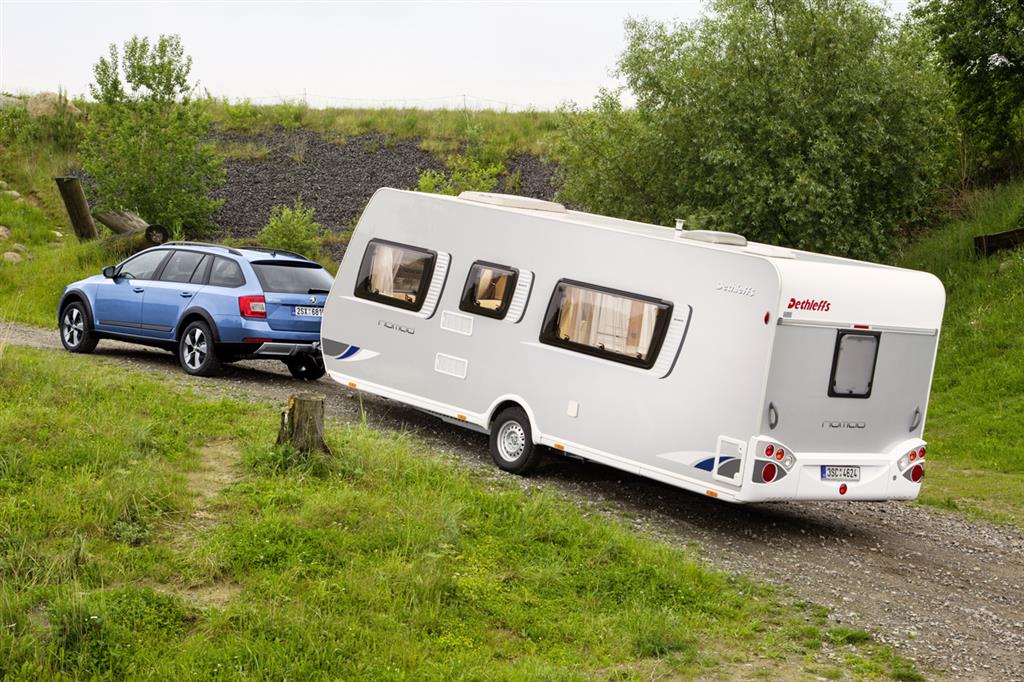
[293, 278]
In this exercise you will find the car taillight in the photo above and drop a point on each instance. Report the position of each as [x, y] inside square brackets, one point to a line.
[252, 306]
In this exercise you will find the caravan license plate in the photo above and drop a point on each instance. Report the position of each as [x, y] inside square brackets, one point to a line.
[309, 312]
[835, 473]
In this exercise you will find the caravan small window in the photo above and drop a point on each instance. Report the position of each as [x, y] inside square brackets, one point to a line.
[395, 274]
[612, 324]
[489, 289]
[853, 365]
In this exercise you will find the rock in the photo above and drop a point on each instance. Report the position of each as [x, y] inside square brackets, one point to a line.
[5, 233]
[20, 248]
[1005, 265]
[11, 193]
[58, 234]
[12, 258]
[48, 104]
[4, 185]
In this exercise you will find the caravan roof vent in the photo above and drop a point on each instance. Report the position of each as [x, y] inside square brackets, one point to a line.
[513, 201]
[713, 237]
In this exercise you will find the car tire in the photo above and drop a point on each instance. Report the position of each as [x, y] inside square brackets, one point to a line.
[512, 446]
[307, 367]
[196, 351]
[76, 332]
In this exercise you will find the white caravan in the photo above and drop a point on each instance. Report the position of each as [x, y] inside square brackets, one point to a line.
[737, 370]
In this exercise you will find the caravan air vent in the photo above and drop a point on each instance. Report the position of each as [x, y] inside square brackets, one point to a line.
[512, 201]
[712, 237]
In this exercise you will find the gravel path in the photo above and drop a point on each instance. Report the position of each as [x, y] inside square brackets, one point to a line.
[945, 592]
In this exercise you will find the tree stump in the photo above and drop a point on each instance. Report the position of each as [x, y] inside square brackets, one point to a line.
[78, 208]
[138, 239]
[302, 424]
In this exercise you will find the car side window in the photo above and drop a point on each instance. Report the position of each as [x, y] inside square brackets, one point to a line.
[489, 289]
[181, 266]
[226, 273]
[143, 266]
[199, 276]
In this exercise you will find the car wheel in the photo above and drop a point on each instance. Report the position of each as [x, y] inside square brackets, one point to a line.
[306, 367]
[512, 446]
[196, 350]
[76, 332]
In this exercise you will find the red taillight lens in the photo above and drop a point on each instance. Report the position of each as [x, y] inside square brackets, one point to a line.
[768, 472]
[912, 455]
[920, 453]
[252, 306]
[769, 451]
[916, 473]
[842, 489]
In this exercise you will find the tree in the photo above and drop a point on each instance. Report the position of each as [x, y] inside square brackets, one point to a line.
[817, 124]
[981, 45]
[146, 147]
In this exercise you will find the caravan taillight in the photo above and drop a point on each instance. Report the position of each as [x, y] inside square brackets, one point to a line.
[920, 453]
[768, 473]
[769, 450]
[916, 473]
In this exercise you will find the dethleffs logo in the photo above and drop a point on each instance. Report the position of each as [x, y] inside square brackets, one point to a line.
[810, 304]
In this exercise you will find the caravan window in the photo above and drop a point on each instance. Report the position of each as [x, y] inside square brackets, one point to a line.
[612, 324]
[489, 289]
[395, 274]
[853, 365]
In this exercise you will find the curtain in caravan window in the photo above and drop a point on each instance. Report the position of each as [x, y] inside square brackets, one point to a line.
[394, 274]
[608, 322]
[383, 270]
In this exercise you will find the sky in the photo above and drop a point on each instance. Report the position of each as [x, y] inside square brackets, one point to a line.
[502, 55]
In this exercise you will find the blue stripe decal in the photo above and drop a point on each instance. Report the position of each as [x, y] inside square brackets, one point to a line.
[709, 463]
[349, 352]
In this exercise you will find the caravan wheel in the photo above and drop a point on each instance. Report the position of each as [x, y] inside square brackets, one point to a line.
[512, 446]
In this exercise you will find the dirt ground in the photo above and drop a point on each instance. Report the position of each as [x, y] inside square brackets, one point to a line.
[946, 592]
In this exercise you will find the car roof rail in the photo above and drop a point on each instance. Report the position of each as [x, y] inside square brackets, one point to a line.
[265, 249]
[234, 252]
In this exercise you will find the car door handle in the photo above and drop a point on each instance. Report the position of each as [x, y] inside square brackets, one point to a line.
[138, 290]
[186, 294]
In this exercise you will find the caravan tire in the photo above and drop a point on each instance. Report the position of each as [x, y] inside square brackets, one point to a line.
[512, 446]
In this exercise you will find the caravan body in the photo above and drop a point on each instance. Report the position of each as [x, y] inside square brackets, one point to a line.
[742, 371]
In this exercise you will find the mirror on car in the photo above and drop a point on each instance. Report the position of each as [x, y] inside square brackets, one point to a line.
[109, 271]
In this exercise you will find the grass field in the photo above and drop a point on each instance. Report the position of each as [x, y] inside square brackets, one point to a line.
[974, 427]
[149, 532]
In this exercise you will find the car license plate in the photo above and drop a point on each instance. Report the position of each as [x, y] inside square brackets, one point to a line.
[837, 473]
[303, 311]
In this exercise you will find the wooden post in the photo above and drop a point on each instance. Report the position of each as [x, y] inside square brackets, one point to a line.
[120, 222]
[138, 239]
[987, 244]
[302, 424]
[78, 208]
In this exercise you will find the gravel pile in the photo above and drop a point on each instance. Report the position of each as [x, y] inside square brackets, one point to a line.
[337, 179]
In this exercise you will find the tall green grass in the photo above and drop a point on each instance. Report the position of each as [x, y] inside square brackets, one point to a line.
[384, 562]
[440, 130]
[974, 425]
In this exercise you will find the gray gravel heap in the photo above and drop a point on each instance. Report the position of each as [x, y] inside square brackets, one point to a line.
[336, 179]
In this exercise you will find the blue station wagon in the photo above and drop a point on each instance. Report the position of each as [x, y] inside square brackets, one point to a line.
[208, 303]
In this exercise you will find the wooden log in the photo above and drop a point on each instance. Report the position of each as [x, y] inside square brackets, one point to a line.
[121, 222]
[302, 424]
[78, 208]
[987, 244]
[138, 239]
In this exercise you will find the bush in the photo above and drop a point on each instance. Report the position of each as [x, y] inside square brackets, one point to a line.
[818, 124]
[61, 128]
[146, 146]
[292, 229]
[464, 174]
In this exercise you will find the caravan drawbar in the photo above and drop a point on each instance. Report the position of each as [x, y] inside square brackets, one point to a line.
[738, 370]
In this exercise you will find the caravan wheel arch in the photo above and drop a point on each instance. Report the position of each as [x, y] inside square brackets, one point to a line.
[510, 400]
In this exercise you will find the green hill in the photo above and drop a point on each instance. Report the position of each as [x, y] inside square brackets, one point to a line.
[975, 427]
